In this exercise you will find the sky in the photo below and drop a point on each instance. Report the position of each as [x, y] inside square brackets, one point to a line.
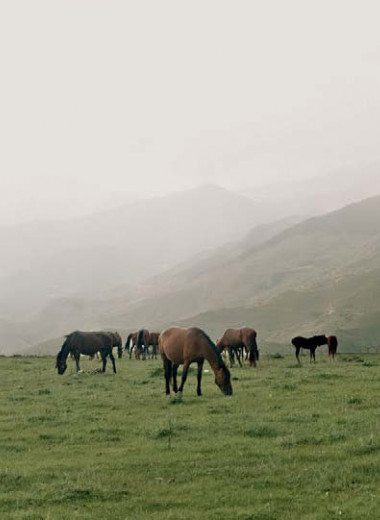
[103, 102]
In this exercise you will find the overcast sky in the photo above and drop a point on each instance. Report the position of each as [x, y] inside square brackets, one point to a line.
[103, 101]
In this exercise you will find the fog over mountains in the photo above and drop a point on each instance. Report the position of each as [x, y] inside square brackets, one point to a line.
[207, 256]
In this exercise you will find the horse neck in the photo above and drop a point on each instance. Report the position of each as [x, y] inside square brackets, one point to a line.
[65, 350]
[213, 357]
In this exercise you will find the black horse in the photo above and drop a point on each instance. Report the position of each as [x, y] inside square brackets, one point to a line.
[88, 343]
[309, 344]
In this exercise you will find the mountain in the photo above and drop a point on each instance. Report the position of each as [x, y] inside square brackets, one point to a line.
[318, 195]
[319, 275]
[86, 257]
[66, 314]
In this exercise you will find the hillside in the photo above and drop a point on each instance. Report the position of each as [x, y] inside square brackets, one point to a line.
[87, 257]
[318, 251]
[320, 275]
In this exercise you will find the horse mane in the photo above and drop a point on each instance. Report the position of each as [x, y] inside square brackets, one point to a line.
[213, 348]
[65, 347]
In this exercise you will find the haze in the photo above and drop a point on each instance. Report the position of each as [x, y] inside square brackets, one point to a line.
[107, 102]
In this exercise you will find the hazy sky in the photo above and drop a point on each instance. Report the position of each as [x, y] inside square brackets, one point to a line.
[102, 101]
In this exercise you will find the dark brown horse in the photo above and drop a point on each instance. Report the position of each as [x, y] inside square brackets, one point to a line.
[184, 346]
[88, 343]
[309, 344]
[236, 340]
[332, 346]
[142, 344]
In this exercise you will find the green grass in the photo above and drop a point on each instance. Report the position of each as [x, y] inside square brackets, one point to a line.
[291, 443]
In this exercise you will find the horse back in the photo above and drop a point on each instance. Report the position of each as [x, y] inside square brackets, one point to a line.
[299, 341]
[231, 338]
[90, 342]
[179, 344]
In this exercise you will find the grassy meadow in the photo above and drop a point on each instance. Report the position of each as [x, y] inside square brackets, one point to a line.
[292, 442]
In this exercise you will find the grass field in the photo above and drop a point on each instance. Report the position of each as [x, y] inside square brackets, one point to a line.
[292, 442]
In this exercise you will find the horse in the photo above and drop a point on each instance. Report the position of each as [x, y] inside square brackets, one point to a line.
[236, 340]
[332, 346]
[88, 343]
[153, 342]
[131, 343]
[142, 343]
[309, 344]
[181, 346]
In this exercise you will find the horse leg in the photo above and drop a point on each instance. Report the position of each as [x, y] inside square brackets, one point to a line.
[186, 366]
[199, 377]
[231, 357]
[77, 358]
[104, 360]
[312, 354]
[237, 351]
[175, 387]
[168, 372]
[112, 358]
[298, 354]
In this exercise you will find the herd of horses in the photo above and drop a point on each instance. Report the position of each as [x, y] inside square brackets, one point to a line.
[182, 346]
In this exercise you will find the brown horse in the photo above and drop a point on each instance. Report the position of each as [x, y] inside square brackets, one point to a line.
[131, 343]
[153, 342]
[88, 343]
[332, 346]
[309, 344]
[236, 340]
[180, 346]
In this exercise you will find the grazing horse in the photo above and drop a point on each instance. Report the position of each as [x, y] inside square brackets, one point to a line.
[309, 344]
[88, 343]
[131, 343]
[332, 346]
[179, 346]
[142, 343]
[236, 340]
[153, 342]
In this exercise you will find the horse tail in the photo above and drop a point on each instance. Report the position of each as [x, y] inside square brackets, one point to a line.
[140, 336]
[253, 350]
[127, 342]
[140, 342]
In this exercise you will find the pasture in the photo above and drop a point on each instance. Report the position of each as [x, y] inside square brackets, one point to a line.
[292, 442]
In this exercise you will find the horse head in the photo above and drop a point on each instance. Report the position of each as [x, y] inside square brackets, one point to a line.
[61, 365]
[223, 379]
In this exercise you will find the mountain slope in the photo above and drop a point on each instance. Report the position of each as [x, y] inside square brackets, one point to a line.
[320, 250]
[320, 275]
[84, 257]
